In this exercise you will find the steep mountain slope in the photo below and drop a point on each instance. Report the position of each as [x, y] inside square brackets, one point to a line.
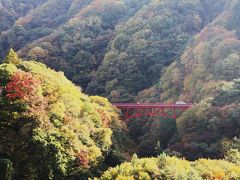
[147, 43]
[211, 59]
[11, 10]
[79, 46]
[142, 51]
[125, 50]
[73, 36]
[39, 22]
[207, 74]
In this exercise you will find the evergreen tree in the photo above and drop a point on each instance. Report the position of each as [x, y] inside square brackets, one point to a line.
[12, 57]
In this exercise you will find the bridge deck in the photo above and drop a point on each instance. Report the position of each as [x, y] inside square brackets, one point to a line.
[151, 105]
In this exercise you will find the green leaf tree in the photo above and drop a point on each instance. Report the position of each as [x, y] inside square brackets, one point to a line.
[12, 57]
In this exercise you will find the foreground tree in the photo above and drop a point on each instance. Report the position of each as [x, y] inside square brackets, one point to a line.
[165, 167]
[12, 57]
[49, 129]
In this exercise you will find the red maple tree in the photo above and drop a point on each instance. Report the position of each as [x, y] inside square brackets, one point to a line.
[22, 85]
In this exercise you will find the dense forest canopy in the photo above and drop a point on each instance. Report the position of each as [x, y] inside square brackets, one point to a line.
[53, 53]
[10, 11]
[153, 38]
[49, 128]
[207, 73]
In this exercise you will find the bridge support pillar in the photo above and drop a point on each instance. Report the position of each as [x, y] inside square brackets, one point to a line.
[174, 113]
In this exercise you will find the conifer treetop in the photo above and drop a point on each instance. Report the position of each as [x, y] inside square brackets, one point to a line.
[12, 57]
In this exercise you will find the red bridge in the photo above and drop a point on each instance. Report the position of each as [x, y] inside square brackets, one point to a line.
[135, 110]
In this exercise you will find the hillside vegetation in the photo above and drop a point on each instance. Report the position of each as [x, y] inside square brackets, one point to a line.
[72, 38]
[149, 41]
[208, 74]
[11, 10]
[49, 128]
[165, 167]
[125, 51]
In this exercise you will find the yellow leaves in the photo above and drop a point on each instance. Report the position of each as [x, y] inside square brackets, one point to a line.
[95, 155]
[120, 177]
[144, 176]
[107, 112]
[70, 121]
[208, 169]
[6, 70]
[217, 169]
[102, 138]
[12, 58]
[174, 168]
[100, 100]
[58, 109]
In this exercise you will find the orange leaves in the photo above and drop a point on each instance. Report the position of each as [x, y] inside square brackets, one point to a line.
[104, 117]
[82, 158]
[22, 85]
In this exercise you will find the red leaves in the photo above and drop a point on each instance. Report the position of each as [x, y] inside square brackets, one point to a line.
[82, 158]
[22, 85]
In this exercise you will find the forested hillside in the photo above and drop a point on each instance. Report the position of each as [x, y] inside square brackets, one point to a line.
[50, 129]
[11, 10]
[39, 22]
[151, 40]
[125, 51]
[72, 38]
[207, 74]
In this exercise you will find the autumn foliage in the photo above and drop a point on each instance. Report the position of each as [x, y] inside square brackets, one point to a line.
[69, 132]
[82, 159]
[125, 50]
[166, 167]
[22, 85]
